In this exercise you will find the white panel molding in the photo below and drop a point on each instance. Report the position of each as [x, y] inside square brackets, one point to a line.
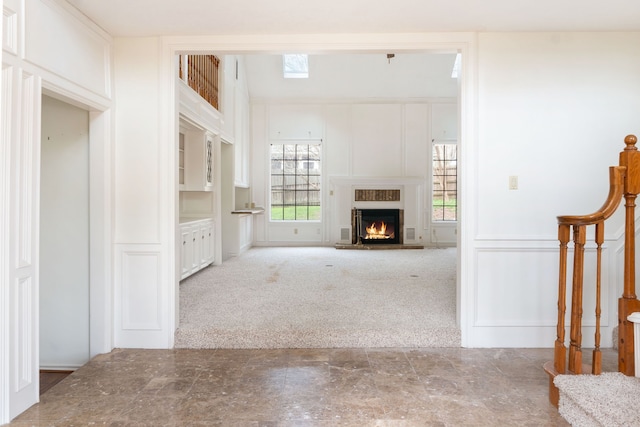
[10, 30]
[25, 294]
[21, 109]
[29, 160]
[6, 98]
[142, 309]
[24, 309]
[525, 242]
[608, 261]
[141, 295]
[376, 181]
[89, 62]
[350, 101]
[199, 113]
[321, 43]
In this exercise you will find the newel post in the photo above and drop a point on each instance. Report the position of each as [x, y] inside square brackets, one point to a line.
[628, 303]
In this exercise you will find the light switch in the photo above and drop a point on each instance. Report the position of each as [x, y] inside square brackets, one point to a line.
[513, 182]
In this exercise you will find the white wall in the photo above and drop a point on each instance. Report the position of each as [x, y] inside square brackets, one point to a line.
[146, 194]
[64, 236]
[553, 109]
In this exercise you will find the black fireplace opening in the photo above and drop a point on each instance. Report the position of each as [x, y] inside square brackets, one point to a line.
[378, 226]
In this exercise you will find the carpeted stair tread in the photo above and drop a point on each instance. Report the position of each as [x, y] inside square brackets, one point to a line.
[607, 400]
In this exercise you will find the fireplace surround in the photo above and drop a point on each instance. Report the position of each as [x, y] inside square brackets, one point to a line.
[377, 226]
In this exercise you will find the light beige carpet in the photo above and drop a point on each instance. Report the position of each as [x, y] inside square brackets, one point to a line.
[607, 400]
[321, 297]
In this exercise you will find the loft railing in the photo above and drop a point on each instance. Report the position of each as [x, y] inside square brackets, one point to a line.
[624, 182]
[201, 74]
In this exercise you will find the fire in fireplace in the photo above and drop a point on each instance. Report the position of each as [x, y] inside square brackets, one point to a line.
[377, 226]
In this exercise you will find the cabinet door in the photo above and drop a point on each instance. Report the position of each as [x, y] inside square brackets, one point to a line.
[208, 163]
[181, 161]
[245, 232]
[186, 253]
[198, 159]
[206, 236]
[196, 240]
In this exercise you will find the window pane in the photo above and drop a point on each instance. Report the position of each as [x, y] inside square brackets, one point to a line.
[444, 191]
[295, 182]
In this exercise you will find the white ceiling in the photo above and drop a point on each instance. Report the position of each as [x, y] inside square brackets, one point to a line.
[190, 17]
[355, 76]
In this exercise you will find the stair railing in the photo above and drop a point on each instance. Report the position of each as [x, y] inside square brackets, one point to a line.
[624, 181]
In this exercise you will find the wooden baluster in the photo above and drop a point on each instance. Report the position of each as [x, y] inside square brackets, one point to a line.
[560, 352]
[596, 367]
[206, 83]
[200, 79]
[196, 65]
[630, 158]
[211, 77]
[575, 348]
[215, 81]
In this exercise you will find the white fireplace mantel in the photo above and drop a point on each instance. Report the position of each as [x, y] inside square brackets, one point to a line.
[377, 181]
[342, 192]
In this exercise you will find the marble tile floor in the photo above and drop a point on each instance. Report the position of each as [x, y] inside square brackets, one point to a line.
[304, 387]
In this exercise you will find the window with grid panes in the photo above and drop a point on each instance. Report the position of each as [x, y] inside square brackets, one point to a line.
[445, 182]
[295, 182]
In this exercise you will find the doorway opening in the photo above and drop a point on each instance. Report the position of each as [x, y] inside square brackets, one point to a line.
[263, 65]
[64, 236]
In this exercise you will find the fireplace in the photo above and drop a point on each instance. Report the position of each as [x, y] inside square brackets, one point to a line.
[377, 226]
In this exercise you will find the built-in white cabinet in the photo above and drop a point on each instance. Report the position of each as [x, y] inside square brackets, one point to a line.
[197, 246]
[245, 232]
[239, 234]
[198, 161]
[444, 122]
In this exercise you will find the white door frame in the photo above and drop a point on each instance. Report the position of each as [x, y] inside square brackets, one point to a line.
[464, 43]
[19, 262]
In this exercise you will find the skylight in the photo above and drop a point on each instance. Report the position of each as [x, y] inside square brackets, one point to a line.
[455, 73]
[295, 66]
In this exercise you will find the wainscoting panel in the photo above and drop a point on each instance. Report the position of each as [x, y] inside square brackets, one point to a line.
[140, 290]
[141, 306]
[25, 316]
[516, 295]
[513, 289]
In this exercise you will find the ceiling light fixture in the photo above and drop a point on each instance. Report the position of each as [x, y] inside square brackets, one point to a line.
[389, 56]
